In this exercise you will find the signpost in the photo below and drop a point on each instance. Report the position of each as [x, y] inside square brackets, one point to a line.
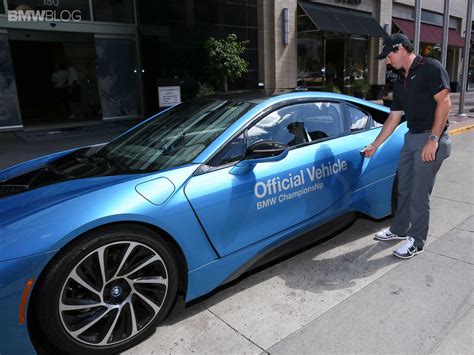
[169, 95]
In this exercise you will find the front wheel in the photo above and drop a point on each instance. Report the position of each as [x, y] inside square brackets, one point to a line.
[106, 292]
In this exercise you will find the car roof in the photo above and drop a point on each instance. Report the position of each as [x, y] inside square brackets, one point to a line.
[259, 96]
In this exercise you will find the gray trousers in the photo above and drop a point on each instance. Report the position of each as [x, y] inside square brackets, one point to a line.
[415, 183]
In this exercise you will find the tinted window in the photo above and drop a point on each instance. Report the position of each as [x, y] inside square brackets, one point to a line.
[9, 109]
[113, 11]
[233, 152]
[299, 124]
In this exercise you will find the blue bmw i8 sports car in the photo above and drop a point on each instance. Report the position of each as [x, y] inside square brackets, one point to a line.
[96, 242]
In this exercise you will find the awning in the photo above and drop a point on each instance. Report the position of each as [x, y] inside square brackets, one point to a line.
[429, 33]
[340, 20]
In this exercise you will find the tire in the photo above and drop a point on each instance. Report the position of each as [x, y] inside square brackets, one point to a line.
[79, 312]
[395, 194]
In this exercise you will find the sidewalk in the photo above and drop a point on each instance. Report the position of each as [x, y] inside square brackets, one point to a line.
[422, 306]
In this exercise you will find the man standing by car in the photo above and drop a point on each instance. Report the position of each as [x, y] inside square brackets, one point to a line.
[422, 94]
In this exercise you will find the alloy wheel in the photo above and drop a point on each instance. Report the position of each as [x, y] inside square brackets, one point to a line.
[113, 293]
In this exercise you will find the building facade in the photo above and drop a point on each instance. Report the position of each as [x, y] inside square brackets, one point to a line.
[74, 62]
[336, 41]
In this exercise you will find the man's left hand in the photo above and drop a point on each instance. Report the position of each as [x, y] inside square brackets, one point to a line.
[428, 154]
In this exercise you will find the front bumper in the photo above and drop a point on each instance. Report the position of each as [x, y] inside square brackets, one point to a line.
[14, 274]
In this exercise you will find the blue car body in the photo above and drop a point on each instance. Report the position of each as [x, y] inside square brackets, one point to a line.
[222, 222]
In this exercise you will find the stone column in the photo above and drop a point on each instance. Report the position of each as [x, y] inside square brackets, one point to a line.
[277, 61]
[377, 68]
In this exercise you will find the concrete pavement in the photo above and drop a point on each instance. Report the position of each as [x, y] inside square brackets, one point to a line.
[349, 294]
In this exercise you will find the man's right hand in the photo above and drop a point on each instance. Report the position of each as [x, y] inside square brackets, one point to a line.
[369, 150]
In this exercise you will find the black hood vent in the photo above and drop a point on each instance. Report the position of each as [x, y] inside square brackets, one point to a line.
[76, 165]
[7, 190]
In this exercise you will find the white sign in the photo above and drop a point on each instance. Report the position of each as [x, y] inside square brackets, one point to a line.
[169, 95]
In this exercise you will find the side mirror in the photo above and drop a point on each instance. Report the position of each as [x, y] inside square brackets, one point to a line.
[265, 150]
[260, 152]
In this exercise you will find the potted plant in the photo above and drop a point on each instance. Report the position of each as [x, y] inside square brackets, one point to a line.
[361, 88]
[224, 59]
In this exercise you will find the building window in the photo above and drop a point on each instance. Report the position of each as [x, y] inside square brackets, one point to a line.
[173, 34]
[156, 12]
[9, 114]
[430, 50]
[63, 9]
[333, 63]
[311, 70]
[113, 11]
[2, 8]
[436, 19]
[117, 74]
[355, 68]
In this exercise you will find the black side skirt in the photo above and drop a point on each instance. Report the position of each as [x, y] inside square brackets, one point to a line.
[294, 245]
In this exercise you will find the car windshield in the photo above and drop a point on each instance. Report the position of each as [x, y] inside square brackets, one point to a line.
[176, 137]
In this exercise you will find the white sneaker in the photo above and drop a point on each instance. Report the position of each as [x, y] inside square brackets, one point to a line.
[407, 250]
[386, 234]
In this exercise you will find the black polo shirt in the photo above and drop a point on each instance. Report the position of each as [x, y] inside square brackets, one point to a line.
[414, 94]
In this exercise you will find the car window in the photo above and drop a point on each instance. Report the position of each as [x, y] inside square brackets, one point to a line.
[299, 124]
[232, 152]
[359, 120]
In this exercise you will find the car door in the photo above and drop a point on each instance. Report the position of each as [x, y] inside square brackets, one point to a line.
[319, 170]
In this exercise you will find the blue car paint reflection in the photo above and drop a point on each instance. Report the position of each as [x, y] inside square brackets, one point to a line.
[220, 219]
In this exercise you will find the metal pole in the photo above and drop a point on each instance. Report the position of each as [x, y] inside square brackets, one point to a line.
[140, 69]
[417, 26]
[444, 46]
[465, 64]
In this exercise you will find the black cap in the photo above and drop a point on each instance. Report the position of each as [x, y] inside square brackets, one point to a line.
[392, 43]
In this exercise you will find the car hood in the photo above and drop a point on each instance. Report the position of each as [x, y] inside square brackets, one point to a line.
[52, 180]
[46, 218]
[20, 205]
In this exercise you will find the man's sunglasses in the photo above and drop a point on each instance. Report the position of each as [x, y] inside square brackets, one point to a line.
[396, 47]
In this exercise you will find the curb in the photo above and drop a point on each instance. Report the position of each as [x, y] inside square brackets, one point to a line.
[461, 130]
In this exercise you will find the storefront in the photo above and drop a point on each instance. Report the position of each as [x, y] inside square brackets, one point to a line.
[68, 62]
[73, 62]
[431, 37]
[333, 47]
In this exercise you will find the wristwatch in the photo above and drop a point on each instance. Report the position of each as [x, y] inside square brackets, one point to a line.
[433, 138]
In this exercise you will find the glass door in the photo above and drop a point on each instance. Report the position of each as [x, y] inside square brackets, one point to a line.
[10, 116]
[356, 81]
[117, 73]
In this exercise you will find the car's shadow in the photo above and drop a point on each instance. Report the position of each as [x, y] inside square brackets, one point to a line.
[318, 268]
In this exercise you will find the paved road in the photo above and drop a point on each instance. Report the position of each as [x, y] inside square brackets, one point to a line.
[349, 294]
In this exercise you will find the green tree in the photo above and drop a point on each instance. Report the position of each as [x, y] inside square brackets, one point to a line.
[225, 62]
